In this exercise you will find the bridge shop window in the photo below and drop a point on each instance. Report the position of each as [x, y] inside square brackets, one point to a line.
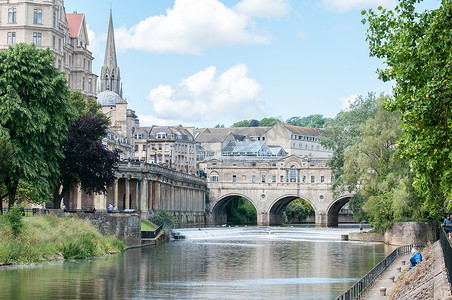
[273, 179]
[293, 174]
[263, 178]
[214, 177]
[304, 179]
[312, 179]
[322, 178]
[234, 178]
[253, 179]
[282, 178]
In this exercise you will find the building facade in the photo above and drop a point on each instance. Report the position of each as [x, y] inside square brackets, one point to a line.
[46, 24]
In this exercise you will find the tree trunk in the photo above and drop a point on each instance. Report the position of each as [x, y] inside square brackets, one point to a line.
[11, 187]
[57, 197]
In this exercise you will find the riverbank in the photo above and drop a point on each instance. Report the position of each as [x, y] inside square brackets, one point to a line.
[427, 280]
[49, 237]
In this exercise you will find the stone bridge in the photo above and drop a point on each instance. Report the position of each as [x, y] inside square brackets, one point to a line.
[270, 185]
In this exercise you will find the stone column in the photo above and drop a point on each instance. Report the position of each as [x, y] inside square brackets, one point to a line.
[115, 193]
[144, 195]
[79, 197]
[127, 193]
[263, 218]
[138, 195]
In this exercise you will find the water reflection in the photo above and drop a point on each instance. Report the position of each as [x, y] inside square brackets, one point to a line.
[245, 263]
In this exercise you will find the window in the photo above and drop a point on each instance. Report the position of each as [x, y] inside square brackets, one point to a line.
[253, 178]
[273, 179]
[282, 178]
[152, 147]
[136, 148]
[293, 174]
[144, 147]
[37, 16]
[166, 147]
[263, 178]
[11, 38]
[214, 177]
[304, 179]
[160, 147]
[90, 84]
[312, 179]
[11, 15]
[322, 178]
[234, 178]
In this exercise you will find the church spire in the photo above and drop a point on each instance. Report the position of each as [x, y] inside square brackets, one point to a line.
[110, 76]
[110, 50]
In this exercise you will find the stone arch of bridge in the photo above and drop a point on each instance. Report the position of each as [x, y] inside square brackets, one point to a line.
[334, 207]
[218, 211]
[277, 208]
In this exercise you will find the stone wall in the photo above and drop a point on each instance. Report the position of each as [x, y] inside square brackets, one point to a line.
[402, 233]
[127, 227]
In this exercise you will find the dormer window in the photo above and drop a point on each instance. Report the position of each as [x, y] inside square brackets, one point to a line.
[161, 135]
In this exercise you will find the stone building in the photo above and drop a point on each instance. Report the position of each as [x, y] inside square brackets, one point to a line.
[170, 146]
[46, 24]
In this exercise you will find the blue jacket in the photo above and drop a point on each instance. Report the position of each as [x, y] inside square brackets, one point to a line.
[416, 257]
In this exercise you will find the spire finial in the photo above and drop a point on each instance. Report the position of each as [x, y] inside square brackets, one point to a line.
[111, 3]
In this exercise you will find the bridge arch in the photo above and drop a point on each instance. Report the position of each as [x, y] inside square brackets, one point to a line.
[334, 207]
[277, 208]
[218, 210]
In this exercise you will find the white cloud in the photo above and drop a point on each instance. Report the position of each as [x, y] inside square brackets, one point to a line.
[347, 5]
[262, 8]
[192, 26]
[94, 42]
[149, 120]
[347, 101]
[208, 96]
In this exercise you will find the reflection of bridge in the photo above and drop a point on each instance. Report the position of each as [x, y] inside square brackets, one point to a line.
[270, 185]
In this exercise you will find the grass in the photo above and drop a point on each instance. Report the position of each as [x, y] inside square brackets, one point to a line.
[45, 236]
[146, 226]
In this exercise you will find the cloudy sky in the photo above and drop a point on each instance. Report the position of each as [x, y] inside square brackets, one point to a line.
[207, 62]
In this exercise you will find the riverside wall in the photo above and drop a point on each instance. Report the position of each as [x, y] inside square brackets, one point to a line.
[402, 233]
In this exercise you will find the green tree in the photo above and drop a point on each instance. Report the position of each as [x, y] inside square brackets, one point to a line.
[313, 121]
[240, 211]
[374, 169]
[243, 123]
[219, 126]
[35, 114]
[268, 122]
[298, 209]
[415, 47]
[344, 132]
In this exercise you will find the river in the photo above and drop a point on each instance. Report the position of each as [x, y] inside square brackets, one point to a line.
[211, 263]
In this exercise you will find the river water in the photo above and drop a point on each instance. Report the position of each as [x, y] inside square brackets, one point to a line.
[211, 263]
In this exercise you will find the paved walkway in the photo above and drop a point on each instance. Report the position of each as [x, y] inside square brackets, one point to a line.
[384, 280]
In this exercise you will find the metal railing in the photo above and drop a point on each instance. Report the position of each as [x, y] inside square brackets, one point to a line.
[359, 289]
[151, 234]
[447, 252]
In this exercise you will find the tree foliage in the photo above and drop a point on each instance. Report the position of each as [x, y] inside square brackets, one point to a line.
[313, 121]
[297, 210]
[240, 212]
[86, 160]
[35, 115]
[415, 47]
[343, 132]
[381, 179]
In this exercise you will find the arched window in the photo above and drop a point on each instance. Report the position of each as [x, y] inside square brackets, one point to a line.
[214, 177]
[293, 174]
[112, 82]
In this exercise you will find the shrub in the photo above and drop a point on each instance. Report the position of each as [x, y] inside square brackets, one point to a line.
[14, 216]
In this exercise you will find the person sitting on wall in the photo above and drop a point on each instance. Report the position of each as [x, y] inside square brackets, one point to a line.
[447, 224]
[416, 258]
[110, 208]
